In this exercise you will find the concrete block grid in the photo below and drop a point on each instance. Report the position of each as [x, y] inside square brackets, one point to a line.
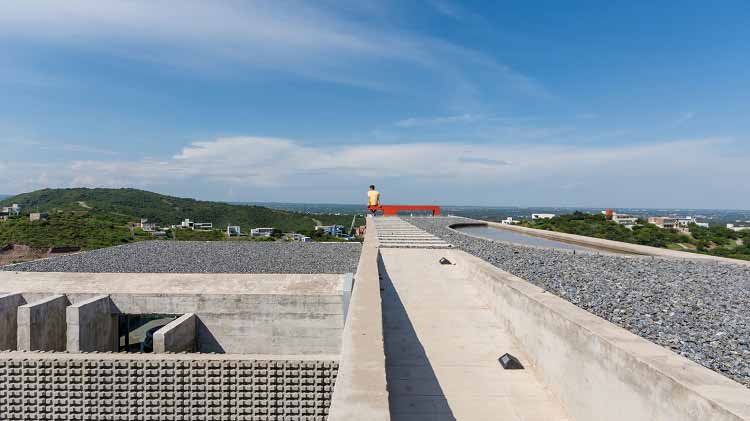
[91, 388]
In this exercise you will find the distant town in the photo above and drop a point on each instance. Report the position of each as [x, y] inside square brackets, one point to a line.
[235, 231]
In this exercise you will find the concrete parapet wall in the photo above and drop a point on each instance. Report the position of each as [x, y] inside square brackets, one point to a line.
[9, 304]
[610, 245]
[91, 326]
[41, 324]
[177, 336]
[361, 392]
[601, 371]
[163, 387]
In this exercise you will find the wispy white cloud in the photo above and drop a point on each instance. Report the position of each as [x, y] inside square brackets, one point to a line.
[219, 37]
[433, 121]
[684, 118]
[268, 164]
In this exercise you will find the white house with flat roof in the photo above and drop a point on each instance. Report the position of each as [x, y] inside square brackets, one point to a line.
[542, 215]
[233, 231]
[263, 232]
[12, 210]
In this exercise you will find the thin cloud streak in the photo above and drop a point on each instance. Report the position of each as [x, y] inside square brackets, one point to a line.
[271, 164]
[215, 37]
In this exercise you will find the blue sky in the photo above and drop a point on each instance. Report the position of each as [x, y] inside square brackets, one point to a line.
[621, 104]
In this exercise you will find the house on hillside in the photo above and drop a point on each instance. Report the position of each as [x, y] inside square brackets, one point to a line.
[332, 230]
[624, 219]
[738, 228]
[147, 226]
[663, 221]
[201, 226]
[233, 231]
[263, 232]
[12, 210]
[509, 221]
[542, 215]
[300, 237]
[38, 216]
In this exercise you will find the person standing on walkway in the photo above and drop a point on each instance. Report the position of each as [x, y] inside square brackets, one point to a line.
[373, 199]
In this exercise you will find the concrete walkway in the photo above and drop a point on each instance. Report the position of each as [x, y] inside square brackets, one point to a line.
[442, 344]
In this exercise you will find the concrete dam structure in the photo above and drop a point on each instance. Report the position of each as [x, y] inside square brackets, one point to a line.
[414, 324]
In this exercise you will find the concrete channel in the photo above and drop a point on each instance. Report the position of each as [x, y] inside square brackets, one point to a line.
[423, 338]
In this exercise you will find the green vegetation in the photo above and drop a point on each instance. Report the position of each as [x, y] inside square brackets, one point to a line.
[133, 204]
[94, 218]
[190, 235]
[66, 229]
[716, 241]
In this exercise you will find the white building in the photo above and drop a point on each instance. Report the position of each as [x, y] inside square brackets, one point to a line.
[685, 221]
[736, 228]
[629, 221]
[509, 221]
[233, 231]
[262, 232]
[147, 226]
[203, 226]
[663, 222]
[332, 230]
[12, 210]
[301, 238]
[38, 216]
[542, 215]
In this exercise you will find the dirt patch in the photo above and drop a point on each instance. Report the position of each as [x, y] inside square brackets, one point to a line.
[17, 253]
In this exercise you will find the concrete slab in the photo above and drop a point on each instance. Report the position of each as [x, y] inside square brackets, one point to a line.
[442, 343]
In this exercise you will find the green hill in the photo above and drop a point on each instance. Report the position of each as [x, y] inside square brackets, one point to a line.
[92, 218]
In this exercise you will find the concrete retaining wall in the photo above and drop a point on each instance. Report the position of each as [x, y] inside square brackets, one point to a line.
[361, 392]
[599, 370]
[163, 387]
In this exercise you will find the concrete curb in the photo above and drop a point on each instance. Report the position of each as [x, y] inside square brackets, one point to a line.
[361, 392]
[599, 370]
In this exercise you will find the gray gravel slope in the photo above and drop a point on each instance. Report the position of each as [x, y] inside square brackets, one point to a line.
[205, 257]
[699, 309]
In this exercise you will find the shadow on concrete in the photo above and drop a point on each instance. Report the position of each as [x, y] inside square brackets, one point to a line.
[205, 341]
[414, 392]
